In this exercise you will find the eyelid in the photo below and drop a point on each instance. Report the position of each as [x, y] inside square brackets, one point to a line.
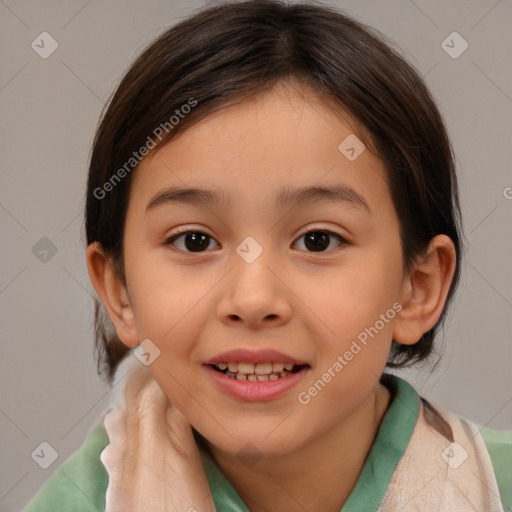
[188, 229]
[317, 227]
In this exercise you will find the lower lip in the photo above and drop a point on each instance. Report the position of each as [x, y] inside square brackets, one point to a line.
[256, 391]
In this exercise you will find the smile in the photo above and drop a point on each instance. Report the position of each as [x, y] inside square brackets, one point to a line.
[256, 382]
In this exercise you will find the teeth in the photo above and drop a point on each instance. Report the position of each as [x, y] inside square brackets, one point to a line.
[252, 377]
[255, 372]
[245, 368]
[258, 369]
[263, 368]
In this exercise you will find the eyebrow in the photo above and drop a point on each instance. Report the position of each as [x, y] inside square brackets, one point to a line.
[285, 197]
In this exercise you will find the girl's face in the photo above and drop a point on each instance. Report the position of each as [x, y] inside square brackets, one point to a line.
[265, 269]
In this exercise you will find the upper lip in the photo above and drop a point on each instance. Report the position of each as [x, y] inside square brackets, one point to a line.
[243, 355]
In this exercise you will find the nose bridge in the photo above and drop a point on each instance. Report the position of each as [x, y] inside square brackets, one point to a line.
[254, 292]
[251, 262]
[250, 250]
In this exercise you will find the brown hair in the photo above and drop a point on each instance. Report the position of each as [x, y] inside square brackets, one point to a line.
[225, 53]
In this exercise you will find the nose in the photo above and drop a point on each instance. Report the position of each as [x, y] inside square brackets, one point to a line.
[254, 294]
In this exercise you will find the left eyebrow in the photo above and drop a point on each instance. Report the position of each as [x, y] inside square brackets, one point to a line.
[286, 196]
[338, 193]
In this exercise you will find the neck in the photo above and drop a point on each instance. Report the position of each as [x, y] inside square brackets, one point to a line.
[285, 482]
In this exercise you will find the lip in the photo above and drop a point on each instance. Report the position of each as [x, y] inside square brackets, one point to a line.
[243, 355]
[256, 391]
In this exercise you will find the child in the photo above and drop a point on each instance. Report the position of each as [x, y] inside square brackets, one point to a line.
[310, 165]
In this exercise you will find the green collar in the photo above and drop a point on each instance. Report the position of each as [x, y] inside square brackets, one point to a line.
[392, 438]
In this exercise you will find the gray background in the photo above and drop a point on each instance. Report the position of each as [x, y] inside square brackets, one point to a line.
[49, 111]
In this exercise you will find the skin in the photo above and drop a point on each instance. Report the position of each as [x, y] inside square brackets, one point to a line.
[305, 303]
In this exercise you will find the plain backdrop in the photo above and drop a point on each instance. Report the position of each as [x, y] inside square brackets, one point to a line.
[49, 110]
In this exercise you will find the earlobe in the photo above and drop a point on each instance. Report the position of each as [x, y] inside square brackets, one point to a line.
[424, 291]
[113, 294]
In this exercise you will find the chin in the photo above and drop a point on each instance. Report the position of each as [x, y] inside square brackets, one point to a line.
[252, 445]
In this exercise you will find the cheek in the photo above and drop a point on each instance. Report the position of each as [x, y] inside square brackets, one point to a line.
[168, 299]
[355, 303]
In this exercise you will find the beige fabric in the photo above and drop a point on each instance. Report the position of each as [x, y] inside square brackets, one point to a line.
[445, 468]
[152, 459]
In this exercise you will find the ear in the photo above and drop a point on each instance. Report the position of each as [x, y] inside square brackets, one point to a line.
[113, 294]
[424, 291]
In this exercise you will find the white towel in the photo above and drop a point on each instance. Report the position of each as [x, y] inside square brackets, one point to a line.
[152, 459]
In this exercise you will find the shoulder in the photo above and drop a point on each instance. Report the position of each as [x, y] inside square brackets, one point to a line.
[80, 483]
[499, 446]
[493, 447]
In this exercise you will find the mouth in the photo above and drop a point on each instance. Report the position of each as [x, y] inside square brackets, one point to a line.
[257, 372]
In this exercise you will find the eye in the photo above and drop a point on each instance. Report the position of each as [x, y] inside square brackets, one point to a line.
[197, 241]
[193, 241]
[318, 240]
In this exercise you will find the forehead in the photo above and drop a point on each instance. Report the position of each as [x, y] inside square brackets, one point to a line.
[261, 148]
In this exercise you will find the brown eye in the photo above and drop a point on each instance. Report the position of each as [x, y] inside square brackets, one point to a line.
[197, 241]
[320, 240]
[193, 241]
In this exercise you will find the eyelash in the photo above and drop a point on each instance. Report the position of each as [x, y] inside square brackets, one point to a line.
[173, 238]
